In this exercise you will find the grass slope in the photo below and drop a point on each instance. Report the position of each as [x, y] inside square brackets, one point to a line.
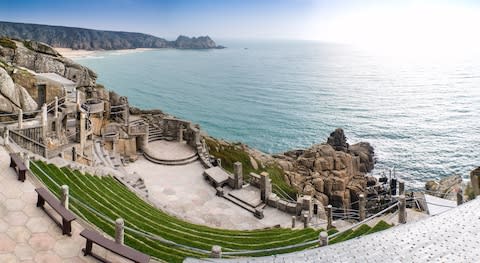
[234, 153]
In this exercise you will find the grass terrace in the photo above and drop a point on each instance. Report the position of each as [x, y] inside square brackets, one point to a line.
[101, 200]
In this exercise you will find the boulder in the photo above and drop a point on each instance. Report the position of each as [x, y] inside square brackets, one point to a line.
[41, 47]
[13, 96]
[26, 101]
[366, 154]
[7, 88]
[338, 140]
[319, 184]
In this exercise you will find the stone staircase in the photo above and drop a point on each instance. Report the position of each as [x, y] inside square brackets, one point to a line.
[183, 161]
[137, 183]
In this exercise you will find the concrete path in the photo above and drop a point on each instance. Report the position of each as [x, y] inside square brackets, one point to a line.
[182, 192]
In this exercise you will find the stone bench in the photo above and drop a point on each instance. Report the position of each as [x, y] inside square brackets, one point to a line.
[67, 215]
[119, 249]
[18, 165]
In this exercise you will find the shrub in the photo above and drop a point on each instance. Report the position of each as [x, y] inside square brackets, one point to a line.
[8, 43]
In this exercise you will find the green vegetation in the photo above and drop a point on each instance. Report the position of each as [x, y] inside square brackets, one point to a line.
[380, 226]
[101, 200]
[360, 231]
[234, 153]
[28, 44]
[8, 43]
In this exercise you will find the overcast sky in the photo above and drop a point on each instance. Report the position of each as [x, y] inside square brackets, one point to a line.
[353, 21]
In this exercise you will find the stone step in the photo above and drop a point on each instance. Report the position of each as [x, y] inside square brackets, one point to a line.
[246, 203]
[241, 204]
[183, 161]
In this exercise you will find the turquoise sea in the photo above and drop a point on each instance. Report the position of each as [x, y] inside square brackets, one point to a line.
[420, 112]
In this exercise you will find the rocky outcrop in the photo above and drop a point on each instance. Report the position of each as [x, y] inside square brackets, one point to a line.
[89, 39]
[333, 172]
[445, 188]
[184, 42]
[42, 58]
[338, 140]
[41, 47]
[13, 96]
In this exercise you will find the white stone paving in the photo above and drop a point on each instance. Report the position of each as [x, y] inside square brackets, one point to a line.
[453, 236]
[182, 191]
[27, 234]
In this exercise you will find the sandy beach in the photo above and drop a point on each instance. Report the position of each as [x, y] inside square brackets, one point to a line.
[82, 53]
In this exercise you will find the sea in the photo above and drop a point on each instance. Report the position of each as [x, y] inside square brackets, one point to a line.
[420, 110]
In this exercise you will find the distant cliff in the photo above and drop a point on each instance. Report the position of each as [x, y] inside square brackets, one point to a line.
[89, 39]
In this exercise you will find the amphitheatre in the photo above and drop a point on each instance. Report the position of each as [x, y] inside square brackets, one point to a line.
[145, 186]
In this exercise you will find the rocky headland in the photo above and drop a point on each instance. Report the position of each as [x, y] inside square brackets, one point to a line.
[89, 39]
[333, 172]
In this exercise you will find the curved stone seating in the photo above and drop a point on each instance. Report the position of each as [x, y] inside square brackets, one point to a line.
[170, 153]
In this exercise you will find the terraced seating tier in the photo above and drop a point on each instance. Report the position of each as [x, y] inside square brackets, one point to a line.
[101, 200]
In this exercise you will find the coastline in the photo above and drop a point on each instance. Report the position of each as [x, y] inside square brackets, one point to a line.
[83, 53]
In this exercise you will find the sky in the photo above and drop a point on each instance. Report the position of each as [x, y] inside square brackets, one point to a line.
[363, 22]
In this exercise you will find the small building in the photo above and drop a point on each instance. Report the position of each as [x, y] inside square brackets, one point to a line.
[51, 85]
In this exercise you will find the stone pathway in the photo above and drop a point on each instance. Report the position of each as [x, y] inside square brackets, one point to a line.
[452, 236]
[27, 234]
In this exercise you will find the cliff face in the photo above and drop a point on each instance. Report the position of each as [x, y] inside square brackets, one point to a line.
[42, 58]
[80, 38]
[18, 85]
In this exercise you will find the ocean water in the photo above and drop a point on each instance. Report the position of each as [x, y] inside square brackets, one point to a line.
[420, 112]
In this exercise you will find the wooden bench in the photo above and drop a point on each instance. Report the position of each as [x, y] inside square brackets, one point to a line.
[124, 251]
[67, 215]
[17, 163]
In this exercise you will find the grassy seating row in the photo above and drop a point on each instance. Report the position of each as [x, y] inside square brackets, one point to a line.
[107, 200]
[112, 199]
[360, 231]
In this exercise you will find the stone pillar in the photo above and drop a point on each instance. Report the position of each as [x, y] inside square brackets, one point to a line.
[305, 220]
[145, 140]
[126, 114]
[197, 136]
[401, 187]
[74, 154]
[474, 181]
[55, 115]
[26, 160]
[119, 231]
[402, 210]
[329, 216]
[361, 207]
[238, 175]
[6, 137]
[204, 144]
[64, 197]
[323, 239]
[180, 133]
[78, 100]
[265, 186]
[459, 196]
[294, 219]
[219, 162]
[20, 118]
[83, 131]
[44, 119]
[216, 252]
